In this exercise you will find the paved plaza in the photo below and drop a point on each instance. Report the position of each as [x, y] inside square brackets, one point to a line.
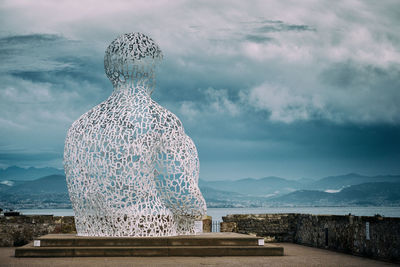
[295, 255]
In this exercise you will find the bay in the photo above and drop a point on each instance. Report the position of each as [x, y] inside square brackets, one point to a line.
[217, 213]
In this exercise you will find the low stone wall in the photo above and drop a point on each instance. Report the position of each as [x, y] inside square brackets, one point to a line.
[376, 237]
[20, 230]
[274, 227]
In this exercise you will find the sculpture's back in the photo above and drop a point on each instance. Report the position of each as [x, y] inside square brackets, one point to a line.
[131, 169]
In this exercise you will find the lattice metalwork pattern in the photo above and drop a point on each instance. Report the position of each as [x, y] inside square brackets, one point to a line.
[131, 169]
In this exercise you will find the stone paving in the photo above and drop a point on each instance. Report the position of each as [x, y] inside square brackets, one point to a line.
[295, 255]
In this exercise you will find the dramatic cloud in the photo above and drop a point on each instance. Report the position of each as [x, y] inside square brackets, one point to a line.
[263, 87]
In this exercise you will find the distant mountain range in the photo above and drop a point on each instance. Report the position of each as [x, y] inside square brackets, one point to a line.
[264, 187]
[365, 194]
[21, 174]
[20, 189]
[339, 182]
[48, 184]
[349, 189]
[46, 192]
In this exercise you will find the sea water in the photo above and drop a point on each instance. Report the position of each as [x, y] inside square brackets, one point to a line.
[217, 213]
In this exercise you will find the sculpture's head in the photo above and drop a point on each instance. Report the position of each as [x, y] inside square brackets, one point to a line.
[131, 60]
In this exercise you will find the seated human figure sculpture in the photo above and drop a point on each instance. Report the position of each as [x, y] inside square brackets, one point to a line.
[131, 170]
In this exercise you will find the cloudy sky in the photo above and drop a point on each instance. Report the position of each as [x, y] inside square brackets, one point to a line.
[263, 87]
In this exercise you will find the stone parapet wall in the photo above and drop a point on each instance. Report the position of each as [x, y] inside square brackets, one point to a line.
[275, 227]
[20, 230]
[350, 234]
[342, 233]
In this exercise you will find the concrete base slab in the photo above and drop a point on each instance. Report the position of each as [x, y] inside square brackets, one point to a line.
[209, 244]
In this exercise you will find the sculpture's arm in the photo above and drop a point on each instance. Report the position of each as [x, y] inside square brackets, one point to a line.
[178, 174]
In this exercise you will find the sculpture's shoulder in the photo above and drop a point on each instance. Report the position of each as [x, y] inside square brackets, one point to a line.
[86, 119]
[173, 133]
[167, 120]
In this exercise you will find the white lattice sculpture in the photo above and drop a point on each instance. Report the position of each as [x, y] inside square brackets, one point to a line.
[131, 169]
